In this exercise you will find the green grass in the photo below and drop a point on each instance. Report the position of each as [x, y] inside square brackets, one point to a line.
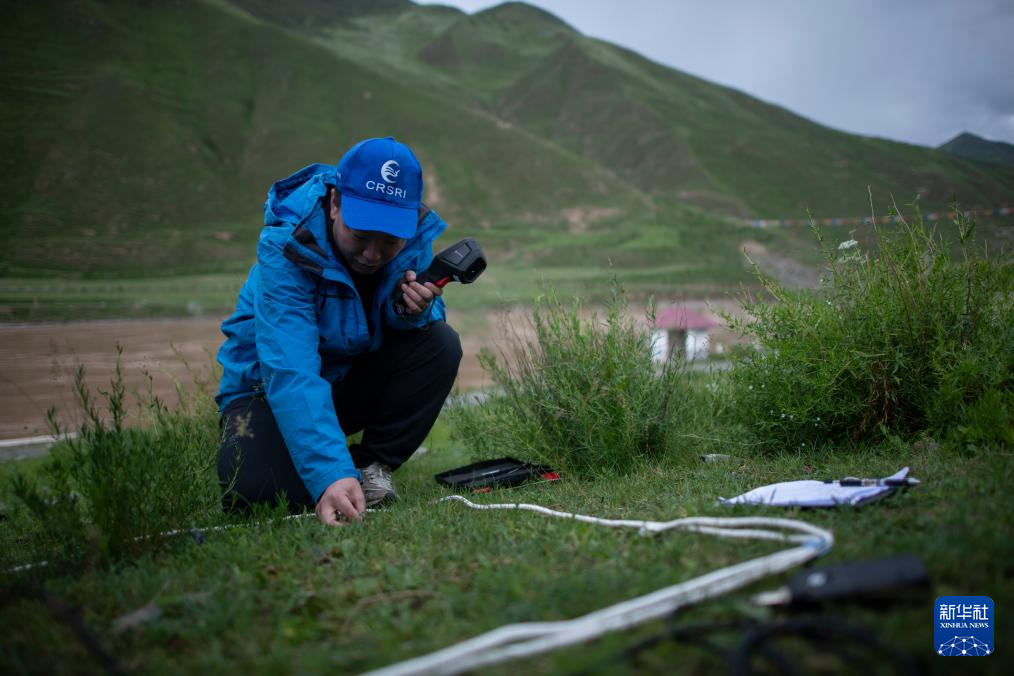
[296, 596]
[648, 259]
[581, 395]
[29, 467]
[31, 299]
[904, 337]
[504, 284]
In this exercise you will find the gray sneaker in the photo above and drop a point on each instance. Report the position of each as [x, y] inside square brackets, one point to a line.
[378, 487]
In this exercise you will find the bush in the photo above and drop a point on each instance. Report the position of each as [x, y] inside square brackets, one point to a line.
[582, 396]
[915, 335]
[107, 494]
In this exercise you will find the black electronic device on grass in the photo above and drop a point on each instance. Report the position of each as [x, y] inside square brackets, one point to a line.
[480, 477]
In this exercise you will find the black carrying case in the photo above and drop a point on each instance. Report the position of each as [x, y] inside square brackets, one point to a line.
[488, 474]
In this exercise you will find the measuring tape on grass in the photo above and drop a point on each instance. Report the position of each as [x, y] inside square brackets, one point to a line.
[525, 639]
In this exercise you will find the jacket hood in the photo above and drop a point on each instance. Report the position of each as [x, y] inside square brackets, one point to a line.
[295, 200]
[294, 207]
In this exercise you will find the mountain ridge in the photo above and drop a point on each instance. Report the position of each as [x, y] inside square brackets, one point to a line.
[838, 148]
[970, 146]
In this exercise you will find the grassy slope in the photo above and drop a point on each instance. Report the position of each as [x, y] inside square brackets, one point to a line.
[188, 113]
[415, 578]
[977, 148]
[139, 140]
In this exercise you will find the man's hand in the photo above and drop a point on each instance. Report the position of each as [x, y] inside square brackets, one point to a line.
[342, 500]
[418, 296]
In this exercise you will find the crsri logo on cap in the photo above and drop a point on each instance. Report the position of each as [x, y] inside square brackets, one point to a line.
[389, 171]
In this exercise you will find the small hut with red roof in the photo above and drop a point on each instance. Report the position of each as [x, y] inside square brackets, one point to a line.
[678, 329]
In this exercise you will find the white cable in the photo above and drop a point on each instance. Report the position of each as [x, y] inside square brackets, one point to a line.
[173, 533]
[531, 638]
[228, 526]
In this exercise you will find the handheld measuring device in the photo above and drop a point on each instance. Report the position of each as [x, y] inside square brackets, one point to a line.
[461, 262]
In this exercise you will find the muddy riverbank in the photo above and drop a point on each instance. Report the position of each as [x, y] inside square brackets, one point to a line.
[38, 361]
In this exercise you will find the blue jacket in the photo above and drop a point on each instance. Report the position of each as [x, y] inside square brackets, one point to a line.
[299, 323]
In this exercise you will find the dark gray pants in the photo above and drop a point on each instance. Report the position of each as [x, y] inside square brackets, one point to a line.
[393, 395]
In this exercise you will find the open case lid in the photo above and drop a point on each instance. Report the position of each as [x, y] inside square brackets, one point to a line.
[499, 472]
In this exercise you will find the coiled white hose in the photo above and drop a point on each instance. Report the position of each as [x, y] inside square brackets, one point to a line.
[532, 638]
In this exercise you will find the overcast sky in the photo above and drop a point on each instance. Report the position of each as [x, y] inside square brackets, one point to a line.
[919, 71]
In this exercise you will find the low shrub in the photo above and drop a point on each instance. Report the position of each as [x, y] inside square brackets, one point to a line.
[107, 493]
[582, 395]
[914, 335]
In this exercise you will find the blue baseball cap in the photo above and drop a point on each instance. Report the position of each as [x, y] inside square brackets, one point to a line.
[381, 185]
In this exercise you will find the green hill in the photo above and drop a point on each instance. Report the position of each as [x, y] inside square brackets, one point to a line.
[138, 139]
[977, 148]
[142, 139]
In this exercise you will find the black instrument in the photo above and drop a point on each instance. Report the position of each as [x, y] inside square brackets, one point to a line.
[462, 262]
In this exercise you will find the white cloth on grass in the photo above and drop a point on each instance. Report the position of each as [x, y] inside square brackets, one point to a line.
[809, 493]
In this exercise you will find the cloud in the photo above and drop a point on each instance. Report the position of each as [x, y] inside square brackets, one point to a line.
[914, 70]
